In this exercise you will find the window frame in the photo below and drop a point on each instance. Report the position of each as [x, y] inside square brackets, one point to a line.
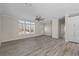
[24, 25]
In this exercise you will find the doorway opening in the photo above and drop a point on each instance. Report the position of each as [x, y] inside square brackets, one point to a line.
[62, 27]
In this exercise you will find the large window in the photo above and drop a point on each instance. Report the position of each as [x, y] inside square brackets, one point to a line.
[26, 27]
[21, 27]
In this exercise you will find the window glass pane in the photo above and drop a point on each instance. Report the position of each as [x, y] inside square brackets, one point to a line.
[28, 22]
[32, 29]
[27, 28]
[21, 21]
[21, 27]
[32, 23]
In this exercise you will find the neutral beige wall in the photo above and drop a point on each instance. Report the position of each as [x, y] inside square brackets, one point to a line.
[9, 27]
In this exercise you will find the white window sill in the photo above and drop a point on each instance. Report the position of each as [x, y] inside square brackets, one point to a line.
[26, 33]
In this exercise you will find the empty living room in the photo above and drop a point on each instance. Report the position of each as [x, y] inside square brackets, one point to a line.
[39, 29]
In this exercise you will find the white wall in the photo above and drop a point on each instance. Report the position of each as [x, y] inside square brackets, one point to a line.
[48, 28]
[39, 28]
[10, 29]
[55, 28]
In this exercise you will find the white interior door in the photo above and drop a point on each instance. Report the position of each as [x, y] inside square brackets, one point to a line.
[70, 29]
[77, 29]
[73, 29]
[55, 28]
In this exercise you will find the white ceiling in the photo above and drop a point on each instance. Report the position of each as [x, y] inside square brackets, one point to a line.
[46, 10]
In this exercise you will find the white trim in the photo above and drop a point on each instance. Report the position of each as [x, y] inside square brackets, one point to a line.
[22, 37]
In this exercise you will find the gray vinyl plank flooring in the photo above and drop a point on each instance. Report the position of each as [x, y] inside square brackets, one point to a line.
[39, 46]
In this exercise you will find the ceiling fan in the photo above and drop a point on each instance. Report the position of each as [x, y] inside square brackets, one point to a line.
[39, 18]
[28, 4]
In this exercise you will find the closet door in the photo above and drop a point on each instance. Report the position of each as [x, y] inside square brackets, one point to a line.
[55, 28]
[73, 29]
[76, 29]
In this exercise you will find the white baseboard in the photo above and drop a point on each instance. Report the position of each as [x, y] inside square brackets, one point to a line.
[66, 40]
[21, 37]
